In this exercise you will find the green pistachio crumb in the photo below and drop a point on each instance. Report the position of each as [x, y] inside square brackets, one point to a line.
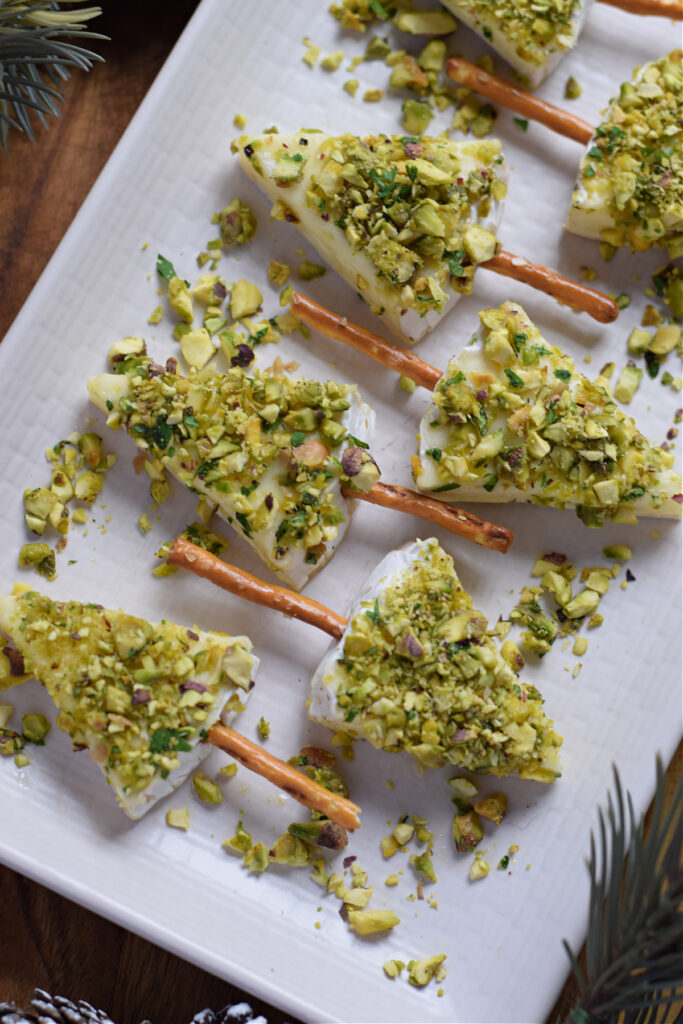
[22, 760]
[373, 95]
[308, 271]
[421, 972]
[351, 86]
[332, 61]
[207, 791]
[263, 728]
[144, 524]
[156, 315]
[178, 817]
[239, 121]
[572, 89]
[406, 384]
[312, 54]
[229, 770]
[34, 728]
[392, 968]
[278, 272]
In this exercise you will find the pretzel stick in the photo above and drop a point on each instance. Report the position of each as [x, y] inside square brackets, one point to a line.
[465, 524]
[308, 792]
[571, 293]
[237, 581]
[519, 100]
[341, 329]
[661, 8]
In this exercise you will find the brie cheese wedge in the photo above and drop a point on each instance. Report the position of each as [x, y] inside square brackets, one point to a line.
[629, 189]
[404, 220]
[533, 38]
[266, 450]
[416, 670]
[512, 419]
[139, 696]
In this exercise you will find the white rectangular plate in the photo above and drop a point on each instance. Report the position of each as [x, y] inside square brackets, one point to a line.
[502, 935]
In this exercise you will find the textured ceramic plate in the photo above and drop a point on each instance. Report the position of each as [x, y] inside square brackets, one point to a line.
[279, 935]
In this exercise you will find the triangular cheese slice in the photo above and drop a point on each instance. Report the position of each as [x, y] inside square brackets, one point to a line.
[404, 220]
[267, 450]
[513, 420]
[630, 185]
[138, 695]
[417, 671]
[532, 38]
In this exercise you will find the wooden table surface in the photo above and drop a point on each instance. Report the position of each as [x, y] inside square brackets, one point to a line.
[46, 940]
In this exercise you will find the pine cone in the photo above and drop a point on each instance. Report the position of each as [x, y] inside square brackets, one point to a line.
[240, 1013]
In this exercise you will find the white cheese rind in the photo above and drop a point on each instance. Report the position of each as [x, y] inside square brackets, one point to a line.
[330, 241]
[358, 419]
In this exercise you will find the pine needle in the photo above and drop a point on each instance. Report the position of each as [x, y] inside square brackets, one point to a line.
[634, 945]
[32, 45]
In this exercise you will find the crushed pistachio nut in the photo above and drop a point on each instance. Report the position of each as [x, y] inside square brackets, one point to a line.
[620, 552]
[627, 383]
[178, 817]
[308, 271]
[373, 95]
[156, 316]
[278, 273]
[423, 864]
[462, 787]
[257, 859]
[312, 54]
[572, 89]
[34, 728]
[467, 831]
[421, 972]
[11, 742]
[580, 646]
[237, 224]
[668, 284]
[426, 23]
[492, 807]
[207, 791]
[22, 760]
[263, 728]
[406, 384]
[403, 833]
[291, 850]
[358, 14]
[332, 61]
[389, 846]
[239, 121]
[634, 166]
[479, 868]
[40, 557]
[241, 842]
[371, 922]
[6, 712]
[392, 968]
[351, 86]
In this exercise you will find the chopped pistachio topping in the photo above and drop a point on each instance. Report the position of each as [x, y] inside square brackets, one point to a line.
[278, 273]
[178, 817]
[419, 673]
[409, 206]
[224, 434]
[135, 693]
[523, 417]
[535, 30]
[479, 868]
[572, 89]
[421, 972]
[237, 224]
[34, 728]
[370, 922]
[358, 14]
[263, 728]
[635, 162]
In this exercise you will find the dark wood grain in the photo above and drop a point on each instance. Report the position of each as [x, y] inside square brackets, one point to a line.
[46, 940]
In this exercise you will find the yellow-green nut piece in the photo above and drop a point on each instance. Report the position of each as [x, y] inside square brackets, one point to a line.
[583, 604]
[11, 742]
[241, 842]
[462, 787]
[237, 223]
[332, 61]
[370, 922]
[467, 831]
[180, 299]
[90, 447]
[257, 859]
[492, 807]
[34, 728]
[628, 383]
[308, 271]
[392, 968]
[160, 491]
[480, 244]
[421, 972]
[406, 384]
[21, 760]
[291, 850]
[433, 55]
[207, 791]
[416, 116]
[667, 336]
[351, 86]
[424, 865]
[128, 346]
[88, 485]
[6, 712]
[639, 341]
[40, 557]
[245, 299]
[403, 833]
[572, 89]
[197, 348]
[510, 653]
[278, 273]
[479, 868]
[620, 552]
[178, 817]
[426, 23]
[389, 846]
[61, 486]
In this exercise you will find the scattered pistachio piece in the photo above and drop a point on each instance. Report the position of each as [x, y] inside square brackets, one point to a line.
[351, 86]
[207, 791]
[392, 968]
[308, 271]
[370, 922]
[178, 817]
[572, 89]
[312, 53]
[332, 61]
[34, 728]
[421, 972]
[479, 868]
[156, 315]
[373, 95]
[263, 728]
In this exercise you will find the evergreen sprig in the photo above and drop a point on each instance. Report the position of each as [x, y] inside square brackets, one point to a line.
[634, 945]
[33, 49]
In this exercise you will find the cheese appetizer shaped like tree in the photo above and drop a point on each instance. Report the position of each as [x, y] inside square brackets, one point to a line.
[404, 220]
[139, 696]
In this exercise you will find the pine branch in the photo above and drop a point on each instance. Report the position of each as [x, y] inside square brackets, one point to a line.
[32, 43]
[634, 945]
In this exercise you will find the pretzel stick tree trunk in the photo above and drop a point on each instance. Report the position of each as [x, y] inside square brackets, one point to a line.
[543, 279]
[308, 792]
[520, 100]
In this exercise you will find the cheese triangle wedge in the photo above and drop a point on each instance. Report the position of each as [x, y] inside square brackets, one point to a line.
[417, 671]
[268, 451]
[630, 185]
[138, 695]
[533, 38]
[404, 220]
[513, 420]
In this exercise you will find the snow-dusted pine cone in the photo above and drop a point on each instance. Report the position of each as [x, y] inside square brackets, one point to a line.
[47, 1009]
[240, 1013]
